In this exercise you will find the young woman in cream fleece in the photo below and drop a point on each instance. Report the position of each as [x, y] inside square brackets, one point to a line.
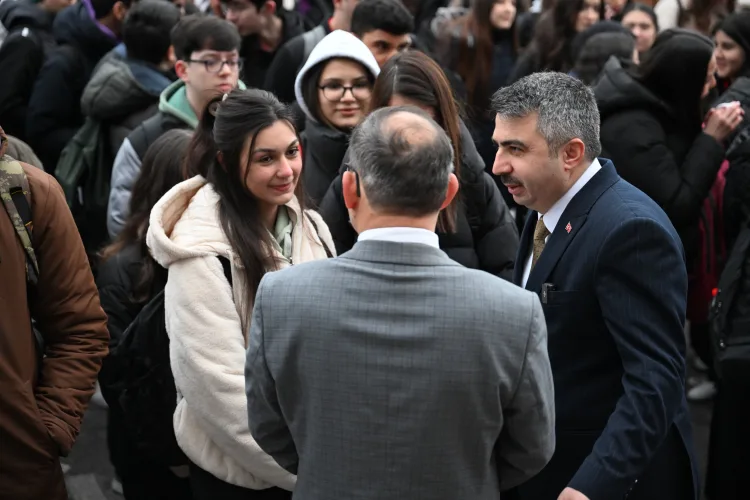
[243, 206]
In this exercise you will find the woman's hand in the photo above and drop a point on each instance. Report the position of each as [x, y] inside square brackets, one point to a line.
[723, 120]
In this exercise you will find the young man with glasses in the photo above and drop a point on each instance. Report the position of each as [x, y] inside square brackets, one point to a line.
[208, 63]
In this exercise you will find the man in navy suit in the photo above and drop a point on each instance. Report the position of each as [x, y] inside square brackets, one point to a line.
[610, 271]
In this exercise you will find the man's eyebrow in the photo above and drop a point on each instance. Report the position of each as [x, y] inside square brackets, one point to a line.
[512, 142]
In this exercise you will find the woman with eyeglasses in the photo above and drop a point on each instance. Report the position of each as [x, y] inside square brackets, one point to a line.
[333, 90]
[476, 229]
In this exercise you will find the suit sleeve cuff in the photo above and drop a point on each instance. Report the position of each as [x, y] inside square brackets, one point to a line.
[598, 484]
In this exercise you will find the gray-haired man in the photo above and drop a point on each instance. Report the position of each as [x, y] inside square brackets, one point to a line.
[392, 371]
[610, 270]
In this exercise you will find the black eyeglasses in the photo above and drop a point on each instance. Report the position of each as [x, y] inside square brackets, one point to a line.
[216, 65]
[356, 177]
[335, 91]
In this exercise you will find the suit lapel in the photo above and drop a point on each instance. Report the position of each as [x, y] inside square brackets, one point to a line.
[527, 236]
[571, 221]
[556, 244]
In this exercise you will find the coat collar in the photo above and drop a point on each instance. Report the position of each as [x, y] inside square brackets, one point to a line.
[390, 252]
[571, 221]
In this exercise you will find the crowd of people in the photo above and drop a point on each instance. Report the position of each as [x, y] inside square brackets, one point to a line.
[436, 249]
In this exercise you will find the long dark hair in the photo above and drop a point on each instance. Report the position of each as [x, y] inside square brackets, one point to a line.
[475, 44]
[160, 171]
[415, 76]
[554, 35]
[222, 133]
[675, 70]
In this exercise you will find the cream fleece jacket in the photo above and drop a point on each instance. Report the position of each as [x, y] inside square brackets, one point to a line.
[208, 338]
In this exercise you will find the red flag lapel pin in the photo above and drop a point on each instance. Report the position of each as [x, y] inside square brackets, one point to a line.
[568, 228]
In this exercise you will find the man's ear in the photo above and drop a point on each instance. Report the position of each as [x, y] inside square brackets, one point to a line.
[170, 58]
[349, 190]
[180, 69]
[269, 8]
[573, 153]
[451, 192]
[119, 10]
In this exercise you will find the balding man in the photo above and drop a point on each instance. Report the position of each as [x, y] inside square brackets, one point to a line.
[391, 371]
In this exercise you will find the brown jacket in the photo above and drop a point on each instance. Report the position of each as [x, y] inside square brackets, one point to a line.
[40, 416]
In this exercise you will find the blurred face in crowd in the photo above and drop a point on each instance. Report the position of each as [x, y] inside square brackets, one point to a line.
[55, 6]
[535, 176]
[248, 19]
[384, 45]
[613, 7]
[399, 100]
[710, 77]
[503, 14]
[643, 29]
[344, 93]
[588, 15]
[209, 73]
[729, 56]
[272, 168]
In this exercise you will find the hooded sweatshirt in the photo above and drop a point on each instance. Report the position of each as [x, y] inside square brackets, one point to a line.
[207, 332]
[324, 146]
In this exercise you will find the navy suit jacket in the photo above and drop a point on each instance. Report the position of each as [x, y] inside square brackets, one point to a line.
[616, 343]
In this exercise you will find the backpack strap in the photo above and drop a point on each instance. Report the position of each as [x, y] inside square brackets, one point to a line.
[329, 254]
[16, 196]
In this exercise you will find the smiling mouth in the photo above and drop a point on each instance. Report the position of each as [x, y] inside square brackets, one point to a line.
[283, 187]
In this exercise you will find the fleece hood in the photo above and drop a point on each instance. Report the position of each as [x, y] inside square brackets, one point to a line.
[121, 86]
[338, 44]
[184, 223]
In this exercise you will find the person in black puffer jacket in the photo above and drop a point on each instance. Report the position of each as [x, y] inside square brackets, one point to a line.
[333, 89]
[651, 126]
[127, 280]
[85, 32]
[477, 231]
[29, 38]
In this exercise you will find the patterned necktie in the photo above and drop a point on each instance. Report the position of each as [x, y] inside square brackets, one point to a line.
[540, 237]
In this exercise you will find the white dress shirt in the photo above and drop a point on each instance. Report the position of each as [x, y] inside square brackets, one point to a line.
[401, 235]
[552, 217]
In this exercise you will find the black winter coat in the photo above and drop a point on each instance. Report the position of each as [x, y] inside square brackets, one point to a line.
[116, 279]
[652, 150]
[324, 149]
[54, 114]
[21, 57]
[736, 207]
[486, 237]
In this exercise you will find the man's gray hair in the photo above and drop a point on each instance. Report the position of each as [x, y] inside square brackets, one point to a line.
[403, 167]
[566, 109]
